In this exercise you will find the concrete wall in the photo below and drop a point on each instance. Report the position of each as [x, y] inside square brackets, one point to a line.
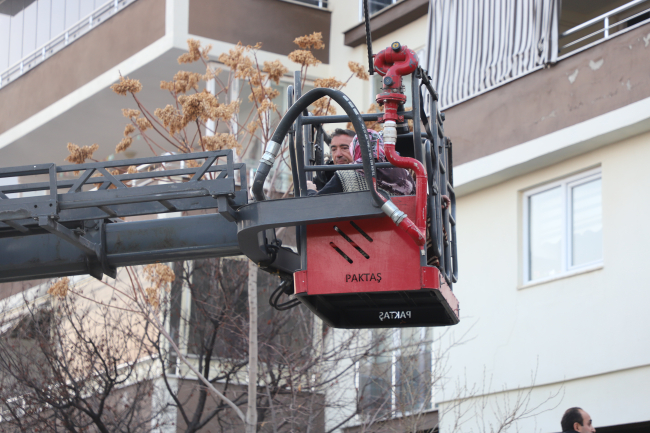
[608, 76]
[274, 23]
[586, 331]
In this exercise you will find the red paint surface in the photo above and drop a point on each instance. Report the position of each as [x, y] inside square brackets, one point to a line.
[418, 230]
[394, 257]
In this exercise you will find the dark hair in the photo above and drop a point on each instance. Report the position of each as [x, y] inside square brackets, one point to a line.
[337, 132]
[571, 416]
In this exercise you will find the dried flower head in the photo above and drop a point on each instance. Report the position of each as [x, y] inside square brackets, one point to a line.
[59, 288]
[171, 118]
[225, 111]
[182, 82]
[159, 275]
[194, 53]
[153, 297]
[124, 144]
[130, 113]
[79, 155]
[132, 169]
[126, 85]
[266, 105]
[260, 93]
[220, 141]
[331, 83]
[253, 126]
[275, 69]
[303, 57]
[315, 41]
[359, 71]
[205, 106]
[234, 56]
[206, 51]
[143, 123]
[211, 73]
[128, 129]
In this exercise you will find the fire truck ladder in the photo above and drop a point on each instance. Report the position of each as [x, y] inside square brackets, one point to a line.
[70, 224]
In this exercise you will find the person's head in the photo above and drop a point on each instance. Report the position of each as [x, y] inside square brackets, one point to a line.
[576, 419]
[340, 146]
[377, 143]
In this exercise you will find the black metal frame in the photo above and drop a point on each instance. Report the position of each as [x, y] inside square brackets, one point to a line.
[81, 210]
[75, 230]
[433, 149]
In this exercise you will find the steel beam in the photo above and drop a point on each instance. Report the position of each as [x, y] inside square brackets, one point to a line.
[127, 244]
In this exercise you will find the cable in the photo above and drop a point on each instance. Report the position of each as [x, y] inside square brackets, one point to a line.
[285, 287]
[371, 68]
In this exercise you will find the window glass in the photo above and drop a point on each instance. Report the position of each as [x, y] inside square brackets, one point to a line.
[375, 375]
[375, 6]
[545, 233]
[414, 370]
[219, 300]
[587, 223]
[401, 367]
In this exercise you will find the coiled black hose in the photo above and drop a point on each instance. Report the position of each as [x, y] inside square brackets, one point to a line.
[285, 124]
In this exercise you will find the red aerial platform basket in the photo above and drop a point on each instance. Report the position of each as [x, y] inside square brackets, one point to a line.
[369, 274]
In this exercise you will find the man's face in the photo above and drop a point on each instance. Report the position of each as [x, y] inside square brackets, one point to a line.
[340, 149]
[586, 426]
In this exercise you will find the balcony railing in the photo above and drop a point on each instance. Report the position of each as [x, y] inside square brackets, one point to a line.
[55, 44]
[318, 3]
[607, 29]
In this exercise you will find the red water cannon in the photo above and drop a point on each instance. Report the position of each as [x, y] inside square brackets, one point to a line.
[393, 63]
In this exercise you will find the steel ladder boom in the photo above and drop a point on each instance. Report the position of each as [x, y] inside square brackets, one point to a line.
[66, 220]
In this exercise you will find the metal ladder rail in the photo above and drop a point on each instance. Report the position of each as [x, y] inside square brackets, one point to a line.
[75, 204]
[75, 215]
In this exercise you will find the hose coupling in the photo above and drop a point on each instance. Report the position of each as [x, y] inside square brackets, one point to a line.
[390, 132]
[272, 149]
[393, 212]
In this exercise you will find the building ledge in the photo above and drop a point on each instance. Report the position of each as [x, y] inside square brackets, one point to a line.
[617, 125]
[387, 21]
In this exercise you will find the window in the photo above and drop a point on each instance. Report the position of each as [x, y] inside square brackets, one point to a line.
[397, 378]
[374, 6]
[563, 227]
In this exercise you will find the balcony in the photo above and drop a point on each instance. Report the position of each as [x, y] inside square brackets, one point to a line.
[31, 31]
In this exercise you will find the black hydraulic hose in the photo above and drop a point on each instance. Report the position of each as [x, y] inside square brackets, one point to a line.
[280, 133]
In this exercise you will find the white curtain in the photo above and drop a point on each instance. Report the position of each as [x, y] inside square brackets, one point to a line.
[477, 45]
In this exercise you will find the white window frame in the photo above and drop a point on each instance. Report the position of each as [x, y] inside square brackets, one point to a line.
[396, 351]
[566, 186]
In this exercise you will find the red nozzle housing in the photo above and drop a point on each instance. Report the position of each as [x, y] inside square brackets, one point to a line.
[393, 63]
